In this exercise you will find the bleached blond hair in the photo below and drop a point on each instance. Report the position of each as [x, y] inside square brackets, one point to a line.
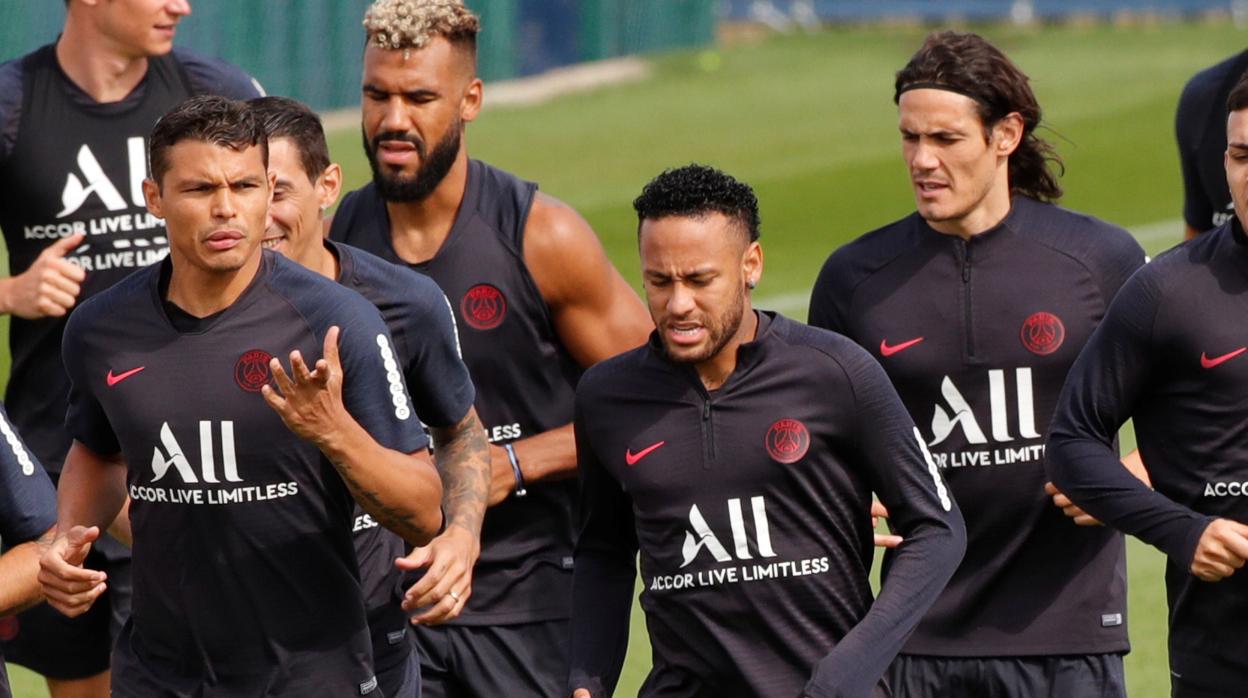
[412, 24]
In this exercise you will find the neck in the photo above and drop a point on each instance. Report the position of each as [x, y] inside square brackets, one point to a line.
[97, 64]
[201, 293]
[714, 371]
[990, 212]
[419, 228]
[323, 261]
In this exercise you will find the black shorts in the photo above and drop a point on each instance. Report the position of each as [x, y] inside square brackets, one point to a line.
[1185, 689]
[1085, 676]
[461, 661]
[44, 641]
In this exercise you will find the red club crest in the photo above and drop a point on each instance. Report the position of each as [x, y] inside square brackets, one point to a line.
[787, 440]
[483, 307]
[1042, 333]
[252, 370]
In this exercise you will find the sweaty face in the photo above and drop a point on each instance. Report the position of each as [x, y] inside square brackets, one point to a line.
[413, 116]
[1237, 162]
[214, 200]
[296, 209]
[695, 272]
[959, 180]
[142, 27]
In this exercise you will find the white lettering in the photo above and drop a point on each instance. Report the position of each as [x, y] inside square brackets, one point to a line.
[75, 194]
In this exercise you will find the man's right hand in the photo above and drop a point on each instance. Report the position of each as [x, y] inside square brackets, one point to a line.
[49, 288]
[581, 693]
[69, 587]
[1222, 550]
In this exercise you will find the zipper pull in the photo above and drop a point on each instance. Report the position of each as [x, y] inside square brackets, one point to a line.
[706, 410]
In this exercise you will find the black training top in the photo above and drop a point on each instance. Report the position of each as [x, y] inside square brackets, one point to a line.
[750, 507]
[27, 500]
[977, 336]
[523, 375]
[1171, 354]
[69, 164]
[1200, 127]
[245, 580]
[427, 351]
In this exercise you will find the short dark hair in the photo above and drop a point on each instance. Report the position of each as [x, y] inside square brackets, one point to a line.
[283, 117]
[967, 64]
[210, 119]
[1238, 99]
[697, 190]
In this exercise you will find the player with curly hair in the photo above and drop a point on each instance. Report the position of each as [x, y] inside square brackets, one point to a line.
[536, 301]
[737, 451]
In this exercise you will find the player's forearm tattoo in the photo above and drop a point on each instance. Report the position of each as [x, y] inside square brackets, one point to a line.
[393, 518]
[462, 456]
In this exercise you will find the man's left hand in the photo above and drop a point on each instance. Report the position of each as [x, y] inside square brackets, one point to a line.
[444, 590]
[309, 401]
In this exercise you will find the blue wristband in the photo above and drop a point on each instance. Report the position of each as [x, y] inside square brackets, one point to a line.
[515, 468]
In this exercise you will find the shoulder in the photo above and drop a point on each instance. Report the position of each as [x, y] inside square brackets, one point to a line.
[398, 284]
[858, 260]
[12, 76]
[214, 76]
[1084, 238]
[553, 225]
[351, 212]
[320, 301]
[609, 375]
[819, 343]
[113, 305]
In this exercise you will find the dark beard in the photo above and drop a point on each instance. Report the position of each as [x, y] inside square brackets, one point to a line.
[434, 165]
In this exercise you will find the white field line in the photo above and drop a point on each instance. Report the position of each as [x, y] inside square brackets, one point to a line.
[794, 304]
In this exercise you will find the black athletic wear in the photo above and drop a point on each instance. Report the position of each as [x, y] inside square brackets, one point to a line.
[977, 337]
[535, 656]
[1200, 127]
[1078, 676]
[427, 350]
[749, 505]
[69, 164]
[1171, 355]
[244, 572]
[27, 503]
[523, 375]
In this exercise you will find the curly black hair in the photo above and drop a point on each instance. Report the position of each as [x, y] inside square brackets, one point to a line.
[695, 190]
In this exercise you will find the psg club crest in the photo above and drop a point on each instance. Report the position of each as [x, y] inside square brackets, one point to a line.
[483, 307]
[1042, 333]
[252, 370]
[787, 440]
[8, 628]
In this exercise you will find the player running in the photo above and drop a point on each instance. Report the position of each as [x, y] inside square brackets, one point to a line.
[245, 577]
[1170, 355]
[1200, 127]
[427, 349]
[976, 305]
[73, 118]
[27, 513]
[536, 300]
[738, 452]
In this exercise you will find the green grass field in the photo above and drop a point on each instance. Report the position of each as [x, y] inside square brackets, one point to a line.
[809, 122]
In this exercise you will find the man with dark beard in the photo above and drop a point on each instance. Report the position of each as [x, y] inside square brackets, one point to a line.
[536, 301]
[738, 450]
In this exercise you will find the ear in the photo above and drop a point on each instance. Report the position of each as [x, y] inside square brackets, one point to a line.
[470, 105]
[151, 194]
[752, 263]
[1008, 133]
[328, 186]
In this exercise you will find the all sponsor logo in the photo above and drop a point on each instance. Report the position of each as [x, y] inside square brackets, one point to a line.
[176, 479]
[787, 440]
[1042, 333]
[956, 414]
[483, 307]
[251, 371]
[700, 536]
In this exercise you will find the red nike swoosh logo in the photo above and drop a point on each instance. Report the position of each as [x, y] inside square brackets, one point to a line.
[1206, 362]
[114, 380]
[632, 458]
[889, 351]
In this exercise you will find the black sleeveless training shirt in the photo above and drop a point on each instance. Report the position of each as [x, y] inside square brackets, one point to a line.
[525, 382]
[75, 168]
